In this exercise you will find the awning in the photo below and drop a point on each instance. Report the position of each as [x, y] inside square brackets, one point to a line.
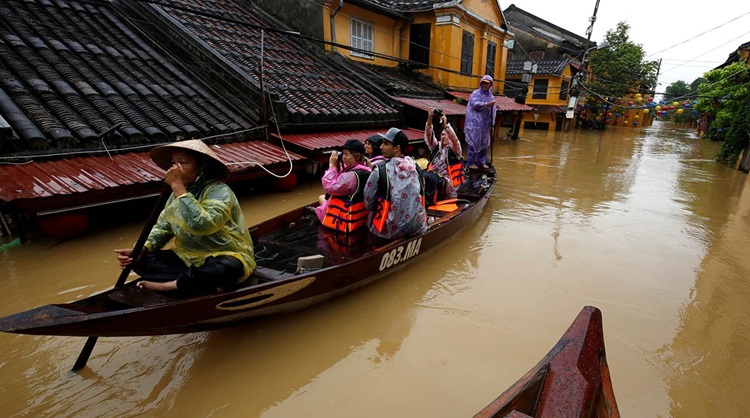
[504, 103]
[449, 107]
[73, 182]
[550, 109]
[323, 141]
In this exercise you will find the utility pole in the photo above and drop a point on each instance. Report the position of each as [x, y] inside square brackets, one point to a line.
[576, 81]
[592, 19]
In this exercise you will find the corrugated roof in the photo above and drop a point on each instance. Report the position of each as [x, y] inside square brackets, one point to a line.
[329, 140]
[550, 109]
[70, 176]
[504, 103]
[448, 107]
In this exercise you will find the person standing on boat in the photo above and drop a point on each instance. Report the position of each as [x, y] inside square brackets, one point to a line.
[344, 209]
[480, 122]
[202, 218]
[395, 191]
[446, 159]
[373, 154]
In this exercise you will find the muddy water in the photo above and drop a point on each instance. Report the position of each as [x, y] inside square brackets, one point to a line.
[638, 222]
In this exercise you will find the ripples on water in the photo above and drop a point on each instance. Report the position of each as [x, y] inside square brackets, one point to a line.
[639, 222]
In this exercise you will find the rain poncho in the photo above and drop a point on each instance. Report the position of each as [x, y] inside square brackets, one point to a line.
[206, 221]
[339, 183]
[440, 160]
[479, 119]
[406, 216]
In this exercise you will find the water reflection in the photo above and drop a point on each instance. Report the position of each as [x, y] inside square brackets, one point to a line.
[639, 222]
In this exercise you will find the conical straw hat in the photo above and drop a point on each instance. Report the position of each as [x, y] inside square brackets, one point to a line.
[162, 155]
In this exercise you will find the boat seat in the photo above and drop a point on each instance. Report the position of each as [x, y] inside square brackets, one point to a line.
[132, 296]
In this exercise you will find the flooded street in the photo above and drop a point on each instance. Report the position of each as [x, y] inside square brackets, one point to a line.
[640, 223]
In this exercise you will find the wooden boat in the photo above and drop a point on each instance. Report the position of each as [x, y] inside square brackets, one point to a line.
[572, 380]
[283, 281]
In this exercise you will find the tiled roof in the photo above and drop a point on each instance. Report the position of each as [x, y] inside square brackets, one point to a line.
[504, 103]
[396, 81]
[520, 19]
[405, 5]
[308, 87]
[72, 181]
[544, 68]
[71, 70]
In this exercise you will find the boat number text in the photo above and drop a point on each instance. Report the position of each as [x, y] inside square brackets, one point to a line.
[397, 255]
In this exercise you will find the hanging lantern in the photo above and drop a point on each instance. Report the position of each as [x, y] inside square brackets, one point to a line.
[675, 104]
[664, 112]
[658, 108]
[679, 111]
[645, 111]
[636, 117]
[635, 123]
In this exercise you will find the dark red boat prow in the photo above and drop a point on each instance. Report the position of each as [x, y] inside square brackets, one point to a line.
[572, 380]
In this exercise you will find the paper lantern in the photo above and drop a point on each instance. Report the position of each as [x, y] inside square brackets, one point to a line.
[664, 112]
[679, 111]
[645, 111]
[635, 123]
[658, 108]
[675, 104]
[636, 117]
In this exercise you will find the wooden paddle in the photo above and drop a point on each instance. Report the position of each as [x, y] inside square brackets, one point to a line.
[83, 358]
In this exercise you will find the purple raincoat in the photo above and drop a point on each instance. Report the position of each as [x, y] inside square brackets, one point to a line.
[479, 119]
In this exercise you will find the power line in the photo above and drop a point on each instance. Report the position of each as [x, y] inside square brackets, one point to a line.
[700, 34]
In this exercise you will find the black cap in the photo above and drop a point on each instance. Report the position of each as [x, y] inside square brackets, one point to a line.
[354, 145]
[375, 140]
[396, 137]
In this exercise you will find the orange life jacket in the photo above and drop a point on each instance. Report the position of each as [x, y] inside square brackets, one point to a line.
[349, 212]
[455, 167]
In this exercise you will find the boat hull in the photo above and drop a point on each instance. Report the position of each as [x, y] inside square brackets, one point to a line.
[572, 380]
[128, 311]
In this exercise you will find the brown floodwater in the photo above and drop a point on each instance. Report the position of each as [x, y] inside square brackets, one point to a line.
[638, 222]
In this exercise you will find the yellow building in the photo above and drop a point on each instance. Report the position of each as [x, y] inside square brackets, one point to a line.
[547, 92]
[453, 42]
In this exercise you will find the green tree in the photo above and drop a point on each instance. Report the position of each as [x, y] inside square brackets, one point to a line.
[725, 95]
[621, 69]
[694, 85]
[679, 90]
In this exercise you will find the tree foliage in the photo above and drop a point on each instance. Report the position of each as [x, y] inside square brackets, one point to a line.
[725, 97]
[679, 90]
[621, 68]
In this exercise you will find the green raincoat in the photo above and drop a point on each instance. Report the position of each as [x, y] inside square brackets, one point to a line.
[206, 221]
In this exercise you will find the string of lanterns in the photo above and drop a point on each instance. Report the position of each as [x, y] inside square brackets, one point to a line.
[621, 108]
